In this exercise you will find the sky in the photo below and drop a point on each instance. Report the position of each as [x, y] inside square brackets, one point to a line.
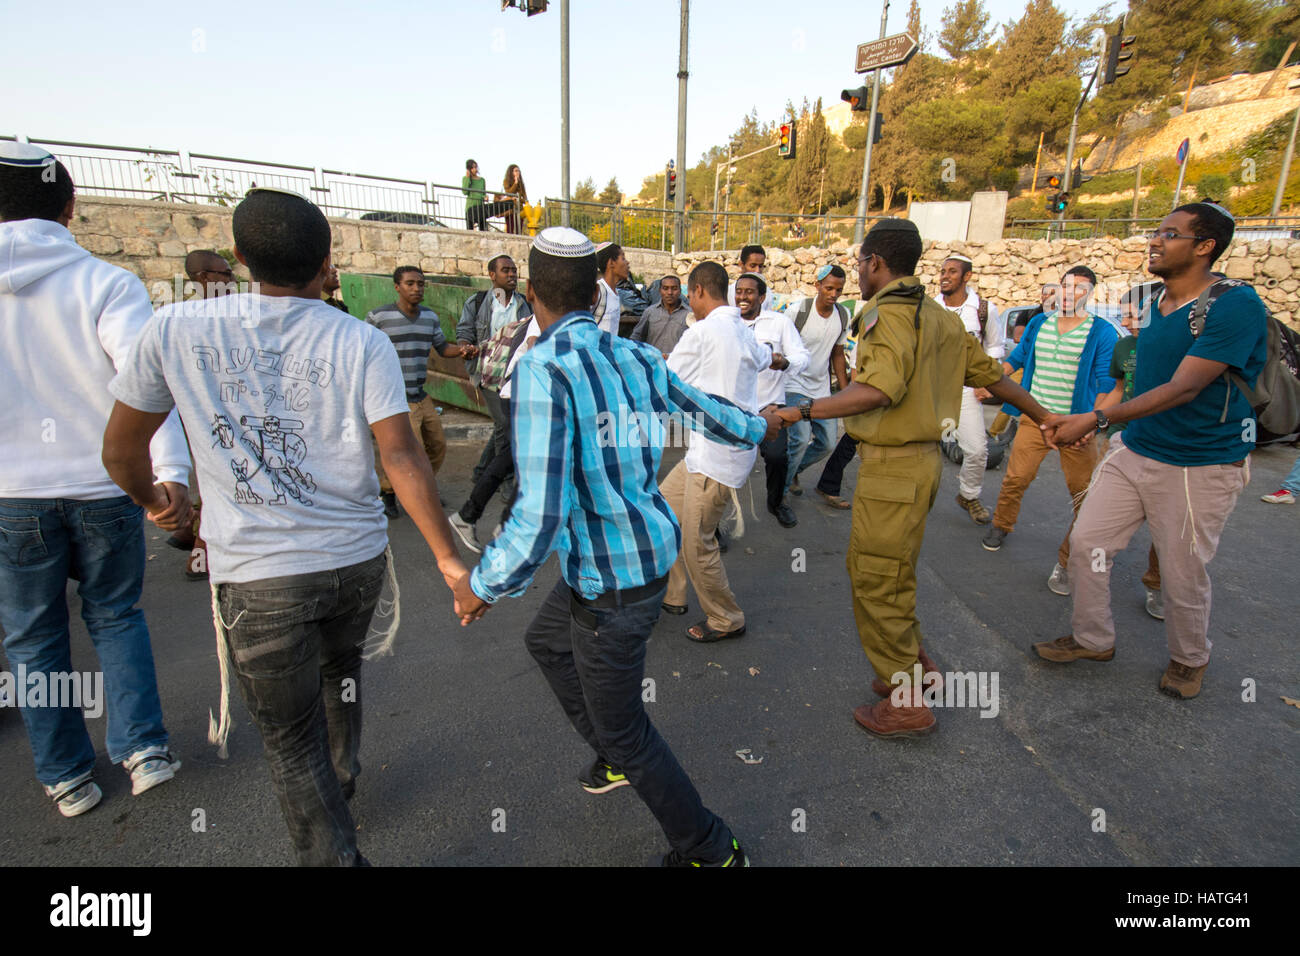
[413, 89]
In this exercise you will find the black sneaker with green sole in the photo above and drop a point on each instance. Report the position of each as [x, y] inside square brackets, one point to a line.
[600, 777]
[737, 857]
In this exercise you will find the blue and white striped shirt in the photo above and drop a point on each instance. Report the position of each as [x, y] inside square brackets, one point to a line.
[589, 413]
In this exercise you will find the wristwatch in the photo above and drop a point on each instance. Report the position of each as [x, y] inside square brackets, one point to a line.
[805, 409]
[1102, 421]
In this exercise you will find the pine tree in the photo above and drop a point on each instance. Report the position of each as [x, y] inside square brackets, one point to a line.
[965, 29]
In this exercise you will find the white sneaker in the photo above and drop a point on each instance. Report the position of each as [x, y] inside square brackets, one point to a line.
[1059, 582]
[1279, 497]
[466, 532]
[148, 768]
[74, 797]
[1156, 603]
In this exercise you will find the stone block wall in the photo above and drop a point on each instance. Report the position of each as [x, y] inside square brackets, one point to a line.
[1011, 272]
[151, 239]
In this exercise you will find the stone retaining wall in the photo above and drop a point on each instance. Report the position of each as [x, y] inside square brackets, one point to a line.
[1012, 271]
[151, 239]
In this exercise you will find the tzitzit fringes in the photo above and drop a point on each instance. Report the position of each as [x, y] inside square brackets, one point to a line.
[380, 643]
[1111, 452]
[739, 530]
[219, 730]
[1190, 517]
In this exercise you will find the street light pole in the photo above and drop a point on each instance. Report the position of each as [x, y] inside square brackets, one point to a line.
[679, 202]
[1286, 166]
[860, 227]
[564, 111]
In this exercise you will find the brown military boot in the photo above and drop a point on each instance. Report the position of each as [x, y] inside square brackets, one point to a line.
[1065, 650]
[1182, 680]
[885, 720]
[882, 689]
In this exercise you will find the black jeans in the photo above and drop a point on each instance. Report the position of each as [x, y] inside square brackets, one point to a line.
[594, 660]
[499, 409]
[295, 646]
[833, 473]
[498, 470]
[776, 460]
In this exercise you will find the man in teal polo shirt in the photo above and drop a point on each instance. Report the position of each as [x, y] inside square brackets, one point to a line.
[1184, 458]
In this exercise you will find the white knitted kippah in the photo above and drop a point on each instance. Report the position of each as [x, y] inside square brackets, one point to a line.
[959, 257]
[563, 243]
[23, 154]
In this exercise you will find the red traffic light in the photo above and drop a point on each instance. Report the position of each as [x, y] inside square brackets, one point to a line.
[1053, 182]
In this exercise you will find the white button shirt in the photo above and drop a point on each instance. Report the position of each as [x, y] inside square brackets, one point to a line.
[609, 308]
[777, 330]
[719, 355]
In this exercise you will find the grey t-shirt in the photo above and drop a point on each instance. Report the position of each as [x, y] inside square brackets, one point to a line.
[276, 395]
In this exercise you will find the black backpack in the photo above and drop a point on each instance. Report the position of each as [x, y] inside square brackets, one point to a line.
[1276, 395]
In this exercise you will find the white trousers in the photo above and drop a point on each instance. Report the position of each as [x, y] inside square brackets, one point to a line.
[974, 442]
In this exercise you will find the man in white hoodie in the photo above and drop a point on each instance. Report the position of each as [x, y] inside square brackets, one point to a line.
[67, 321]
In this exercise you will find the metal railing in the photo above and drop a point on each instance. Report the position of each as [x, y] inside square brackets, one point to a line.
[168, 175]
[1254, 227]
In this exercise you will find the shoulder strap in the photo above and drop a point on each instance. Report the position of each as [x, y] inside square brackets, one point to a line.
[844, 317]
[801, 314]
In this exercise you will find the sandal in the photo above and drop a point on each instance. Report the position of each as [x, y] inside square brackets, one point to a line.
[707, 635]
[674, 608]
[835, 501]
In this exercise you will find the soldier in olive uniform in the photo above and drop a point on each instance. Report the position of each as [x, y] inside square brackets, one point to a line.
[913, 359]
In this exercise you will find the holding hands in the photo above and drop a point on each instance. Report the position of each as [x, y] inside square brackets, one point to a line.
[1069, 430]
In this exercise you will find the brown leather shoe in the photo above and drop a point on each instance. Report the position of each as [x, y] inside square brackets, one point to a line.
[881, 689]
[1182, 680]
[1066, 649]
[885, 720]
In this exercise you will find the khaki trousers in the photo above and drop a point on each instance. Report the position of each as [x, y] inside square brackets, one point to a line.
[427, 425]
[698, 502]
[896, 489]
[1028, 450]
[1186, 509]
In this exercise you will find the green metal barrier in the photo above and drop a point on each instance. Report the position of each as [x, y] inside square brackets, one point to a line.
[448, 380]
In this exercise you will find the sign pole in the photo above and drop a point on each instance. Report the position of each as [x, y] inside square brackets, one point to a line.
[1184, 153]
[860, 227]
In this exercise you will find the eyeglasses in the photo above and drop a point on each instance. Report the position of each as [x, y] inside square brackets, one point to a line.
[1172, 234]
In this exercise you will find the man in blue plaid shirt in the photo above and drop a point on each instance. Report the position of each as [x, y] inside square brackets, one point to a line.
[589, 411]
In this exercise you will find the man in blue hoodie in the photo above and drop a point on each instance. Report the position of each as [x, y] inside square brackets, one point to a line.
[67, 322]
[1065, 356]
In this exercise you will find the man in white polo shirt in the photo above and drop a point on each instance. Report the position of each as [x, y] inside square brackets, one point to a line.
[789, 357]
[982, 320]
[720, 356]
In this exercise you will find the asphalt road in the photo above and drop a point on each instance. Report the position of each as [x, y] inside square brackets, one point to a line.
[460, 724]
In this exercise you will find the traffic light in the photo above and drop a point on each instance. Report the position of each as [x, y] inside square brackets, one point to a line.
[857, 99]
[1078, 179]
[1053, 182]
[789, 135]
[1058, 202]
[672, 181]
[1117, 52]
[875, 133]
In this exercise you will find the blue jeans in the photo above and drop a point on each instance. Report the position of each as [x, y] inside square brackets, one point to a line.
[810, 442]
[594, 660]
[295, 646]
[1292, 481]
[99, 544]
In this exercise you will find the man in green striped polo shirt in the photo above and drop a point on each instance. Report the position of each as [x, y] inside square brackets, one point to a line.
[1066, 357]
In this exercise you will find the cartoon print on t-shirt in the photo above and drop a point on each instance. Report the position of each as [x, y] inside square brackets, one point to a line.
[279, 450]
[244, 493]
[222, 432]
